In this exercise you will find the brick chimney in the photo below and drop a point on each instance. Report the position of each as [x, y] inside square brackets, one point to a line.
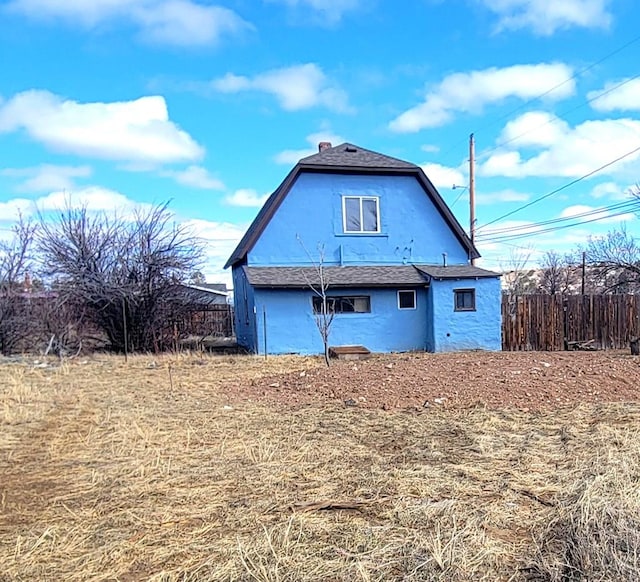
[324, 145]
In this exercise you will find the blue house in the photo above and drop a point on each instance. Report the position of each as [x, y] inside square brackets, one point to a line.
[394, 261]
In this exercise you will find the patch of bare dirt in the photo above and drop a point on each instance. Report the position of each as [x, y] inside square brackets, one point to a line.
[523, 380]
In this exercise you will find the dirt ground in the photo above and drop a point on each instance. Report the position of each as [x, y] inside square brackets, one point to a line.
[523, 380]
[215, 468]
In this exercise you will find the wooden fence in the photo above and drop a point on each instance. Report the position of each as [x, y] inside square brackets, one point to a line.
[215, 321]
[554, 322]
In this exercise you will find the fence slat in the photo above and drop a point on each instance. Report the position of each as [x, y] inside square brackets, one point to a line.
[549, 322]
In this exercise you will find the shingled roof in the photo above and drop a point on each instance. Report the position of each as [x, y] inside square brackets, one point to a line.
[347, 155]
[361, 276]
[455, 272]
[346, 158]
[347, 276]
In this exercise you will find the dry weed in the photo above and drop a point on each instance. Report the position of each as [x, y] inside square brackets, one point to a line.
[123, 473]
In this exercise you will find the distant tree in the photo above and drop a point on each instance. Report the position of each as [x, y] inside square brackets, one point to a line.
[197, 278]
[516, 278]
[122, 273]
[614, 262]
[558, 274]
[15, 263]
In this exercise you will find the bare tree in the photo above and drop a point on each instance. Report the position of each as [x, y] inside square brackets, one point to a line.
[558, 274]
[614, 262]
[323, 308]
[517, 279]
[15, 262]
[123, 273]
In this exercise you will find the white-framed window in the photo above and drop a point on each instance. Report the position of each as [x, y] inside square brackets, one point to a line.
[351, 304]
[361, 214]
[464, 299]
[407, 299]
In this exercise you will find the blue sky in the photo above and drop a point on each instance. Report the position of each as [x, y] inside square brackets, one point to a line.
[120, 103]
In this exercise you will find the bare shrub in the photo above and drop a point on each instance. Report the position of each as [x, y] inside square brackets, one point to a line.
[123, 274]
[15, 262]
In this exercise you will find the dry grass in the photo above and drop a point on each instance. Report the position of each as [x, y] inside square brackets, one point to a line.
[142, 471]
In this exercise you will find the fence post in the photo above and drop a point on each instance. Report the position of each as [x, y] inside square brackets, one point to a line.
[124, 327]
[264, 324]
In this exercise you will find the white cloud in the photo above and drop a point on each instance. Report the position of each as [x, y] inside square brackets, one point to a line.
[535, 128]
[195, 177]
[471, 92]
[93, 198]
[247, 198]
[430, 148]
[173, 22]
[221, 238]
[501, 197]
[602, 215]
[611, 191]
[572, 153]
[46, 177]
[12, 210]
[297, 87]
[444, 176]
[292, 157]
[331, 11]
[616, 96]
[544, 17]
[136, 131]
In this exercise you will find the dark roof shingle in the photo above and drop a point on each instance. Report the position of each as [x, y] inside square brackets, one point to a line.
[347, 155]
[456, 272]
[348, 276]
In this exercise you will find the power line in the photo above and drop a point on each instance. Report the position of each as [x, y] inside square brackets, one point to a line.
[550, 90]
[551, 229]
[558, 117]
[564, 187]
[627, 205]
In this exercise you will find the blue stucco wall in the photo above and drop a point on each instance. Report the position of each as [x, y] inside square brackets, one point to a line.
[291, 326]
[412, 229]
[466, 330]
[243, 314]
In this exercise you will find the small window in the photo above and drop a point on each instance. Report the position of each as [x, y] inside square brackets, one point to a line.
[465, 299]
[406, 299]
[360, 214]
[343, 304]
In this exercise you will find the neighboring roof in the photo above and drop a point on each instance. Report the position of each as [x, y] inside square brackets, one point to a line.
[197, 295]
[351, 276]
[346, 158]
[456, 272]
[214, 288]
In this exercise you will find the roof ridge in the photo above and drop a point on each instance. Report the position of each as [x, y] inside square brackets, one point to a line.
[352, 155]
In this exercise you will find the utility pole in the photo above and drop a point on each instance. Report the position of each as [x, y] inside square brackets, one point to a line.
[584, 271]
[472, 192]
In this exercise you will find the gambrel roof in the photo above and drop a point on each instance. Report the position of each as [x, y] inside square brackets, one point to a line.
[349, 155]
[347, 158]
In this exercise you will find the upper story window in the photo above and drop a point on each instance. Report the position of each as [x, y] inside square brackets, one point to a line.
[361, 214]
